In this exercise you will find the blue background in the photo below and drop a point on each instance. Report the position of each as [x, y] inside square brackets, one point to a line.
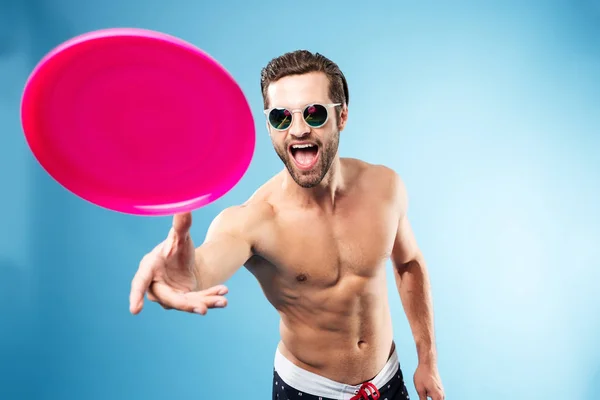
[490, 113]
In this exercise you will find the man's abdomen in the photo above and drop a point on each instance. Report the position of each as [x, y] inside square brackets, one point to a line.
[348, 345]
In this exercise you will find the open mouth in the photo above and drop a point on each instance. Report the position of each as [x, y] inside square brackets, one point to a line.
[305, 155]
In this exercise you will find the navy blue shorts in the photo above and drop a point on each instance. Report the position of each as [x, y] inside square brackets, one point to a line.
[394, 389]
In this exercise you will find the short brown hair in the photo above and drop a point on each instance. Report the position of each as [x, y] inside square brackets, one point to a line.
[302, 62]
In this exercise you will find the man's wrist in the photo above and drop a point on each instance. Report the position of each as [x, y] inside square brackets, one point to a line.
[426, 353]
[196, 273]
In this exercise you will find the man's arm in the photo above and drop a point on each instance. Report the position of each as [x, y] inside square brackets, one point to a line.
[412, 280]
[229, 242]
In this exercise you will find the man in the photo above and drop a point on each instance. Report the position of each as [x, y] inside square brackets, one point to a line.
[317, 237]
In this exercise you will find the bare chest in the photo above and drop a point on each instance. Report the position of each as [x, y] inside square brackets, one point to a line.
[313, 249]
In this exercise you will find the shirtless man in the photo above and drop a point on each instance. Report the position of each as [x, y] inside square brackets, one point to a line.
[317, 237]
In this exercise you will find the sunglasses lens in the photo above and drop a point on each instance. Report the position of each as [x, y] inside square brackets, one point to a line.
[315, 115]
[280, 118]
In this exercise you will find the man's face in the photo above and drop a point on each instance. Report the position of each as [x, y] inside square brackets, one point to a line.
[307, 152]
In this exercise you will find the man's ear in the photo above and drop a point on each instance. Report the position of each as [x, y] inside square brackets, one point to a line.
[343, 118]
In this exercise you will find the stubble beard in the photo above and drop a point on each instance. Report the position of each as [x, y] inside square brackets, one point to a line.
[310, 179]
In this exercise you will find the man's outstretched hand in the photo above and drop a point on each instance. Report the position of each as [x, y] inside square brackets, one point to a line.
[168, 275]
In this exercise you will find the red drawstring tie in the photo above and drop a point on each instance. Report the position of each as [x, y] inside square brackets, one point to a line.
[373, 393]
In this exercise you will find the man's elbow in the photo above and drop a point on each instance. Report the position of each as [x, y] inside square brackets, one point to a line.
[411, 265]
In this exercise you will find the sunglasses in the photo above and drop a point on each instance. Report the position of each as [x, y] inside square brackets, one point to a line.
[315, 115]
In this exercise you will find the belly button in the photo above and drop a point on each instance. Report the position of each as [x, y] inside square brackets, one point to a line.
[361, 344]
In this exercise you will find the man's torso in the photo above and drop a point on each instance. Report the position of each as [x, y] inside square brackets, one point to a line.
[323, 269]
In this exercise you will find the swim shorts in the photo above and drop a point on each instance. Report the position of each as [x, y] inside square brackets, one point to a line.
[291, 382]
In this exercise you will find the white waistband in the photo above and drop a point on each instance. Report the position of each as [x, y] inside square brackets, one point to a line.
[311, 383]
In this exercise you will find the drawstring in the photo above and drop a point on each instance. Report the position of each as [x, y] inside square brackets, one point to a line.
[373, 393]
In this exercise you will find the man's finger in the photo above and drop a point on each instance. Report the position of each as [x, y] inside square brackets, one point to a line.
[153, 298]
[168, 297]
[200, 309]
[218, 290]
[140, 283]
[182, 223]
[192, 302]
[151, 295]
[209, 301]
[436, 394]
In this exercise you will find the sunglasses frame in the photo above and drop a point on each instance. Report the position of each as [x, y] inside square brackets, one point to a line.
[327, 106]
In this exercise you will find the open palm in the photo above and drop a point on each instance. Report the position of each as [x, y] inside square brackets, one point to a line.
[168, 274]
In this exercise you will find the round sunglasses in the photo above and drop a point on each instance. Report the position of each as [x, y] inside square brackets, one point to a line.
[314, 115]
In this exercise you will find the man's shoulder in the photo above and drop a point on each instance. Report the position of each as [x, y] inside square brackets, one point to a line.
[377, 175]
[249, 214]
[254, 212]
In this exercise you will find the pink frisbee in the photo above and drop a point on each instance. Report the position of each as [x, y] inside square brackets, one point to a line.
[138, 122]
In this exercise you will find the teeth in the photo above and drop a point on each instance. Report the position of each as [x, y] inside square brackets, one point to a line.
[302, 146]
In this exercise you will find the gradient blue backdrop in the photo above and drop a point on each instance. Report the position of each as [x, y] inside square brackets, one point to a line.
[490, 113]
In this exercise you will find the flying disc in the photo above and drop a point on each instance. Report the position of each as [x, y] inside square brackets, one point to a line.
[138, 121]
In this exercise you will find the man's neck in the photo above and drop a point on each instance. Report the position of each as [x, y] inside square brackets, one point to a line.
[323, 195]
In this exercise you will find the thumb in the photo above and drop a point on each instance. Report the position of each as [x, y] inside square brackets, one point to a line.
[182, 223]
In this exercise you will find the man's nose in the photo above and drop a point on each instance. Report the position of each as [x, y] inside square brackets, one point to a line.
[298, 128]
